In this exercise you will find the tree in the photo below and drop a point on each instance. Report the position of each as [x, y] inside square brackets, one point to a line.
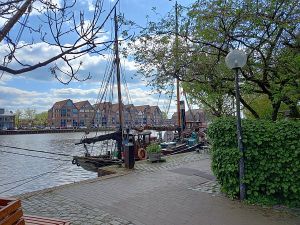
[18, 116]
[41, 119]
[29, 116]
[69, 32]
[267, 30]
[164, 115]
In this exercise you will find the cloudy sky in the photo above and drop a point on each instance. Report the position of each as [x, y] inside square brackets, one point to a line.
[39, 89]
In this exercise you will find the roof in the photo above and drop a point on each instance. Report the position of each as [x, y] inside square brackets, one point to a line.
[60, 104]
[141, 107]
[115, 107]
[153, 108]
[79, 105]
[129, 106]
[189, 113]
[194, 111]
[6, 113]
[102, 105]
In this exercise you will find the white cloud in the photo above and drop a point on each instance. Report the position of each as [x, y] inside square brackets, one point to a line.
[129, 65]
[91, 5]
[2, 21]
[38, 7]
[41, 51]
[17, 92]
[72, 92]
[14, 98]
[4, 77]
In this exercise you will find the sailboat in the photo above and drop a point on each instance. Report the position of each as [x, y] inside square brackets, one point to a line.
[139, 140]
[185, 140]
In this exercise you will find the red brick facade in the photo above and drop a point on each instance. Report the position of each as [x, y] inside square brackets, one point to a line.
[66, 114]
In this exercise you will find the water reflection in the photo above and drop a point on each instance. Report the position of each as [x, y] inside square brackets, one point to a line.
[16, 167]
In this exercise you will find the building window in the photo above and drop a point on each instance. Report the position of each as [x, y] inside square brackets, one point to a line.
[63, 112]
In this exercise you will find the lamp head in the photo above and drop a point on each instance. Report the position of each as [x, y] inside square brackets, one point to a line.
[236, 59]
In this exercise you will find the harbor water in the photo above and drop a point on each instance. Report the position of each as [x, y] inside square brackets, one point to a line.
[20, 174]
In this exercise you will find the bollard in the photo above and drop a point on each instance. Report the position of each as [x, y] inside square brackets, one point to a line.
[129, 156]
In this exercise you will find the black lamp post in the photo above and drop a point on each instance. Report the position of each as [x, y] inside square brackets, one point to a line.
[235, 60]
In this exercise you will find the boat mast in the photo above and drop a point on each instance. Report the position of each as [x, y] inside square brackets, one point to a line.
[117, 61]
[176, 66]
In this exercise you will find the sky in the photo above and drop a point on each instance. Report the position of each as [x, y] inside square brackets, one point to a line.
[40, 90]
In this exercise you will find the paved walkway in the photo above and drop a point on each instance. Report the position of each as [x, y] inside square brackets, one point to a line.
[180, 191]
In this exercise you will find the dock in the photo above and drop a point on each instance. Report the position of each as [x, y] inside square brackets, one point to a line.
[49, 131]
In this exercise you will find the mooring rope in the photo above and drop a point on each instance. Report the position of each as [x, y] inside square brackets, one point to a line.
[34, 150]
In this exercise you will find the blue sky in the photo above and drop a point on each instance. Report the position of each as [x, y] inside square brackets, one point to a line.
[39, 89]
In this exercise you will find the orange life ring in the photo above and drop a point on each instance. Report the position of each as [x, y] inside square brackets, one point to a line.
[141, 153]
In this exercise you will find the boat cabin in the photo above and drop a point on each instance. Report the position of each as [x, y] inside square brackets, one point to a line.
[140, 141]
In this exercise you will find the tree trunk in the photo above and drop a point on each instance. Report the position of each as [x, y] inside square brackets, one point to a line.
[253, 112]
[276, 107]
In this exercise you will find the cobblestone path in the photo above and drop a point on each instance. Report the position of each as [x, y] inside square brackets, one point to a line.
[180, 191]
[55, 204]
[58, 206]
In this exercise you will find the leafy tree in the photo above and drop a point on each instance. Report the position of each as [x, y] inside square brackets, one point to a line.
[164, 115]
[41, 119]
[267, 30]
[29, 116]
[18, 116]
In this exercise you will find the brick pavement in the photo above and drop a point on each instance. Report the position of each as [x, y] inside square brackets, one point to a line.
[180, 191]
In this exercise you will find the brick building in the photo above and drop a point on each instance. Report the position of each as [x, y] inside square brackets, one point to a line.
[63, 114]
[68, 114]
[103, 115]
[196, 115]
[86, 113]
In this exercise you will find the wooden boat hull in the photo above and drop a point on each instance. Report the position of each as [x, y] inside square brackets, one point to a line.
[94, 163]
[181, 149]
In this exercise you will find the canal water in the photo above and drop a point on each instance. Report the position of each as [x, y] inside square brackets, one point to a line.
[20, 174]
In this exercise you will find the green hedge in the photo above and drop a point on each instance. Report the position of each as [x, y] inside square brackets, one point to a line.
[272, 159]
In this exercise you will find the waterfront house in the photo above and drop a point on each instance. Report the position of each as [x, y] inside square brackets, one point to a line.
[194, 115]
[66, 114]
[143, 117]
[7, 119]
[103, 114]
[63, 114]
[86, 113]
[130, 115]
[115, 122]
[156, 116]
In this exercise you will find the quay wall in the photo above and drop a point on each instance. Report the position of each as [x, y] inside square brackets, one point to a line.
[48, 131]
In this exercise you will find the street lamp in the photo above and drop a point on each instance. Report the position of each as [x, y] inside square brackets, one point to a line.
[235, 60]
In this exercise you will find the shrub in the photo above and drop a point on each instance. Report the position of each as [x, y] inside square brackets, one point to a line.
[153, 148]
[272, 159]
